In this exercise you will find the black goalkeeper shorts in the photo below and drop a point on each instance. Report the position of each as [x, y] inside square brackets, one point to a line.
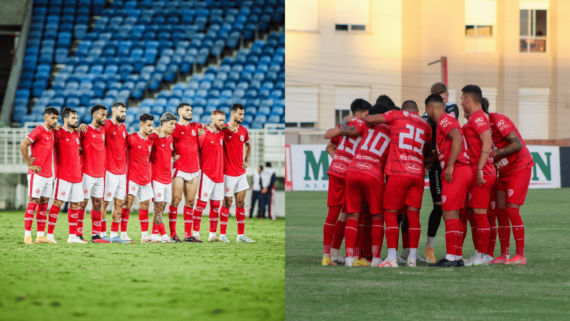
[435, 183]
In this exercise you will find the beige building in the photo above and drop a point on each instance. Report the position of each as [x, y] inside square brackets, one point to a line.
[518, 52]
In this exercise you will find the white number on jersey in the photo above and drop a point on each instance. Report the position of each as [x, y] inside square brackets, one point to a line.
[410, 135]
[373, 147]
[347, 149]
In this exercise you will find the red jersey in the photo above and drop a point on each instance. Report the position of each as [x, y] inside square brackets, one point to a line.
[116, 144]
[160, 158]
[186, 145]
[501, 126]
[445, 125]
[477, 124]
[212, 155]
[139, 158]
[372, 152]
[408, 134]
[346, 149]
[233, 150]
[93, 153]
[42, 149]
[67, 159]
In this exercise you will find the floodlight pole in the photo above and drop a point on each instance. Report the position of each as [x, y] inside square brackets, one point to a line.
[443, 61]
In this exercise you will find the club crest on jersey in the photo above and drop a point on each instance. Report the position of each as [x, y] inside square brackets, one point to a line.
[109, 194]
[124, 135]
[85, 191]
[158, 195]
[241, 138]
[493, 205]
[363, 165]
[205, 194]
[221, 141]
[103, 136]
[133, 188]
[171, 147]
[193, 132]
[406, 113]
[149, 148]
[442, 164]
[443, 199]
[469, 196]
[63, 193]
[341, 168]
[38, 191]
[77, 141]
[452, 113]
[414, 168]
[510, 192]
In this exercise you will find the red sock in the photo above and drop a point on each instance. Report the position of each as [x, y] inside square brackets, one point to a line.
[358, 243]
[415, 229]
[143, 218]
[115, 227]
[338, 234]
[473, 229]
[52, 218]
[518, 228]
[198, 209]
[463, 217]
[392, 229]
[224, 216]
[377, 235]
[188, 221]
[104, 226]
[80, 218]
[367, 242]
[460, 238]
[41, 217]
[161, 229]
[95, 222]
[125, 213]
[214, 213]
[29, 216]
[72, 219]
[154, 227]
[240, 217]
[504, 231]
[350, 234]
[451, 236]
[172, 215]
[329, 227]
[483, 232]
[492, 218]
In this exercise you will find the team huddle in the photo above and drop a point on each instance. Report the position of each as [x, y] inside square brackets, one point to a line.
[478, 173]
[101, 162]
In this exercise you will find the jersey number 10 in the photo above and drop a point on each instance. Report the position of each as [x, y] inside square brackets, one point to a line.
[373, 148]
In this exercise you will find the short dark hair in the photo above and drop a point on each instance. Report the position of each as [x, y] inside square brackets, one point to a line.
[51, 111]
[118, 104]
[434, 98]
[379, 108]
[181, 105]
[66, 112]
[395, 108]
[359, 104]
[474, 91]
[384, 99]
[146, 117]
[438, 88]
[261, 167]
[410, 105]
[268, 164]
[235, 107]
[95, 108]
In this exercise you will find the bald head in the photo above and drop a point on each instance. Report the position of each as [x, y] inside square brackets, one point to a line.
[410, 105]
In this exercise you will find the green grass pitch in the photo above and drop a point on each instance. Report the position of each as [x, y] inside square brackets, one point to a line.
[537, 291]
[209, 281]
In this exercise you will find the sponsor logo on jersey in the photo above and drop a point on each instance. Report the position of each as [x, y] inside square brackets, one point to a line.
[444, 122]
[363, 165]
[406, 113]
[339, 167]
[443, 199]
[221, 141]
[103, 136]
[414, 168]
[124, 135]
[510, 192]
[171, 147]
[480, 121]
[77, 141]
[149, 148]
[241, 138]
[403, 157]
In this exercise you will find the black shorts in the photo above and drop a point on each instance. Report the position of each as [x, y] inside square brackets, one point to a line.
[435, 183]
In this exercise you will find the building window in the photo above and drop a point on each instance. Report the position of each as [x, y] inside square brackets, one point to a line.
[300, 125]
[532, 30]
[339, 115]
[302, 105]
[480, 21]
[351, 15]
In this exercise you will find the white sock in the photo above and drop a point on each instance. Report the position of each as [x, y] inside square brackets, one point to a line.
[212, 234]
[113, 234]
[476, 253]
[71, 236]
[222, 235]
[124, 235]
[391, 254]
[430, 241]
[145, 234]
[459, 257]
[165, 237]
[413, 253]
[40, 234]
[103, 234]
[27, 233]
[450, 257]
[334, 252]
[195, 234]
[50, 236]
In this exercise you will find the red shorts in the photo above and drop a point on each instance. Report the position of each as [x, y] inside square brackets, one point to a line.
[453, 194]
[336, 195]
[480, 196]
[403, 190]
[515, 184]
[361, 187]
[493, 199]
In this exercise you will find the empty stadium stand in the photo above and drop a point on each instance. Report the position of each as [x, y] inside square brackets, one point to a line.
[152, 55]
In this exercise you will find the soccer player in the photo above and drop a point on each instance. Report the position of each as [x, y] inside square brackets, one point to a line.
[409, 146]
[365, 184]
[186, 171]
[68, 180]
[138, 180]
[235, 181]
[93, 169]
[40, 176]
[435, 172]
[479, 143]
[160, 159]
[211, 146]
[456, 176]
[345, 148]
[514, 164]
